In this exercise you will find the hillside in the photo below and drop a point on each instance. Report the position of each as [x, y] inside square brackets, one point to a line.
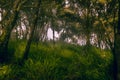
[61, 61]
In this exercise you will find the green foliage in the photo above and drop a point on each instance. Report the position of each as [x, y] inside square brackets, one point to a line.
[4, 71]
[16, 49]
[20, 50]
[60, 62]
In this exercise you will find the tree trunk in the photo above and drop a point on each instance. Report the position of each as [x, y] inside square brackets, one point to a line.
[88, 25]
[117, 48]
[4, 38]
[53, 32]
[7, 29]
[117, 56]
[25, 57]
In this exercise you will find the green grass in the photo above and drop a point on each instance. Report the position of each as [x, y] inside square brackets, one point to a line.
[58, 62]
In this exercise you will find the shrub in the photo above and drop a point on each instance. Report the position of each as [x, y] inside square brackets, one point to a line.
[61, 62]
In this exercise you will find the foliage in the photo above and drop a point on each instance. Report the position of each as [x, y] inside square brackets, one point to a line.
[74, 20]
[61, 61]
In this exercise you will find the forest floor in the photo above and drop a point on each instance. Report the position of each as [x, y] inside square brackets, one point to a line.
[60, 61]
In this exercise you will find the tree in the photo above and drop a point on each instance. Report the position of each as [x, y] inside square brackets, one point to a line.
[35, 21]
[117, 46]
[8, 22]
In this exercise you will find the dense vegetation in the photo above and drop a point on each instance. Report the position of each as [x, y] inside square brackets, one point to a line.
[34, 37]
[61, 61]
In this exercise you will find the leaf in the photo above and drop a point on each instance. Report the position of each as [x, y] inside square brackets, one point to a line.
[102, 1]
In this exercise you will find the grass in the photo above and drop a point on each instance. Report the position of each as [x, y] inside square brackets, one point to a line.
[58, 62]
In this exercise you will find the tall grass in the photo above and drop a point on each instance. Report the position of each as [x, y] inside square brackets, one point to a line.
[60, 62]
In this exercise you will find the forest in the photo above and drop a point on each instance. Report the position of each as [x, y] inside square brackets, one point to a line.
[59, 39]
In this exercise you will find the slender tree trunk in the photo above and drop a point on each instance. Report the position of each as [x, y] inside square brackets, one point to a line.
[118, 28]
[117, 48]
[117, 57]
[88, 25]
[25, 57]
[87, 33]
[115, 71]
[53, 33]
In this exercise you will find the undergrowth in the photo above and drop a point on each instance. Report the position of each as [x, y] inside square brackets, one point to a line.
[58, 62]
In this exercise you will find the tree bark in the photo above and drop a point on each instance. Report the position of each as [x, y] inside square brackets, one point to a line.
[26, 52]
[117, 48]
[53, 31]
[4, 38]
[7, 29]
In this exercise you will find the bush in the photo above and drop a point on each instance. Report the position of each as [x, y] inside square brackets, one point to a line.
[61, 62]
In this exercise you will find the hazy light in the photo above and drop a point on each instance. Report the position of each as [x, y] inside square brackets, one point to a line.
[23, 26]
[66, 2]
[50, 34]
[0, 15]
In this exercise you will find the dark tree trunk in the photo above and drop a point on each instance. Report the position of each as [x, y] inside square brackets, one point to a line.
[25, 57]
[4, 38]
[7, 29]
[117, 57]
[118, 28]
[88, 25]
[117, 49]
[118, 44]
[53, 33]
